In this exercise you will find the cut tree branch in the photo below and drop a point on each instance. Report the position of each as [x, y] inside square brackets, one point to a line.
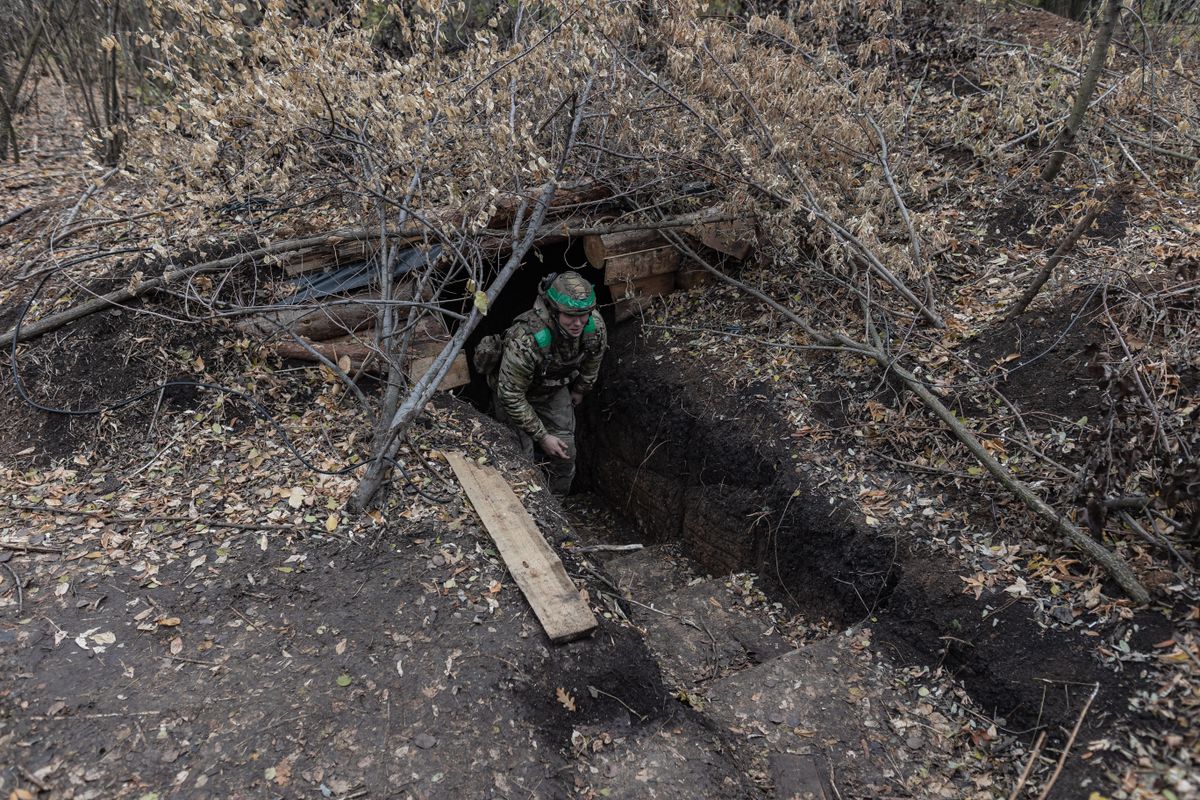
[1091, 76]
[1115, 566]
[1057, 256]
[132, 291]
[389, 439]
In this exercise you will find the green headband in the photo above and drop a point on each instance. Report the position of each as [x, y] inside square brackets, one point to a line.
[567, 302]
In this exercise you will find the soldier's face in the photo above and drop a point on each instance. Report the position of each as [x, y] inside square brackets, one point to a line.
[572, 324]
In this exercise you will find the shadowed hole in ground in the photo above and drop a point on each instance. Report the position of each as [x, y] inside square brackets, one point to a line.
[688, 461]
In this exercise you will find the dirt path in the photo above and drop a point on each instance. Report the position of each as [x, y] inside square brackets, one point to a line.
[263, 664]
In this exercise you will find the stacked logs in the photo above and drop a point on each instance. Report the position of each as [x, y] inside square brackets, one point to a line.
[641, 265]
[344, 331]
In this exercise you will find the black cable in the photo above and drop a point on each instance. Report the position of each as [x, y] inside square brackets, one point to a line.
[416, 487]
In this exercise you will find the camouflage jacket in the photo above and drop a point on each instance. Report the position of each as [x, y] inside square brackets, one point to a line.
[538, 360]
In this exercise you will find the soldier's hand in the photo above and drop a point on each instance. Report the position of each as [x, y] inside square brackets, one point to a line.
[554, 447]
[576, 398]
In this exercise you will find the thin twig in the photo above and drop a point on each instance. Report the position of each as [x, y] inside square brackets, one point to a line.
[1062, 759]
[1129, 157]
[641, 717]
[607, 548]
[1057, 256]
[34, 779]
[1033, 757]
[17, 583]
[891, 182]
[209, 664]
[20, 547]
[1161, 542]
[16, 215]
[100, 515]
[74, 212]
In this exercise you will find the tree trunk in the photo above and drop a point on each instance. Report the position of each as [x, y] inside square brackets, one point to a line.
[389, 438]
[1056, 257]
[11, 91]
[114, 135]
[1087, 87]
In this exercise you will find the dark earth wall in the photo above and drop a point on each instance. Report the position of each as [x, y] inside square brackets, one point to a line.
[687, 460]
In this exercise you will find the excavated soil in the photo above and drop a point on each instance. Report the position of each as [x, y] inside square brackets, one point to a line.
[669, 447]
[264, 664]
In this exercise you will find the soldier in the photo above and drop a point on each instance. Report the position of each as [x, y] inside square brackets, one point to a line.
[550, 360]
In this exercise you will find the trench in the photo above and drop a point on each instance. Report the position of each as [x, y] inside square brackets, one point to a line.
[685, 461]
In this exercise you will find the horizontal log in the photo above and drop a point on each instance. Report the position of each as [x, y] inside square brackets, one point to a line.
[322, 320]
[364, 357]
[318, 324]
[651, 286]
[566, 198]
[337, 321]
[712, 228]
[334, 351]
[328, 255]
[610, 245]
[634, 266]
[459, 374]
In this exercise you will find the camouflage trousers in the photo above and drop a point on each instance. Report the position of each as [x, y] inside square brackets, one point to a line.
[558, 415]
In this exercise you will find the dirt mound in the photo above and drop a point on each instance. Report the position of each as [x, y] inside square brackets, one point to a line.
[717, 472]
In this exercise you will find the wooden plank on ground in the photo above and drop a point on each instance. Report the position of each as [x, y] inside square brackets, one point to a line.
[798, 777]
[531, 561]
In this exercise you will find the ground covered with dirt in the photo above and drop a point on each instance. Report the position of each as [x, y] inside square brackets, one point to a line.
[718, 471]
[180, 652]
[833, 598]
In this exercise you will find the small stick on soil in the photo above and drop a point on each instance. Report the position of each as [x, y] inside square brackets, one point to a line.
[1033, 757]
[918, 260]
[17, 583]
[109, 714]
[1157, 541]
[607, 548]
[1062, 759]
[16, 215]
[35, 780]
[193, 661]
[258, 626]
[641, 717]
[100, 515]
[19, 547]
[74, 212]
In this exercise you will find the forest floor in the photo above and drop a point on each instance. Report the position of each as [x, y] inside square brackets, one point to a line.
[188, 611]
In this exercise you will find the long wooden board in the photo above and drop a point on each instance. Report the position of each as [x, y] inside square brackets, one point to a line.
[530, 560]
